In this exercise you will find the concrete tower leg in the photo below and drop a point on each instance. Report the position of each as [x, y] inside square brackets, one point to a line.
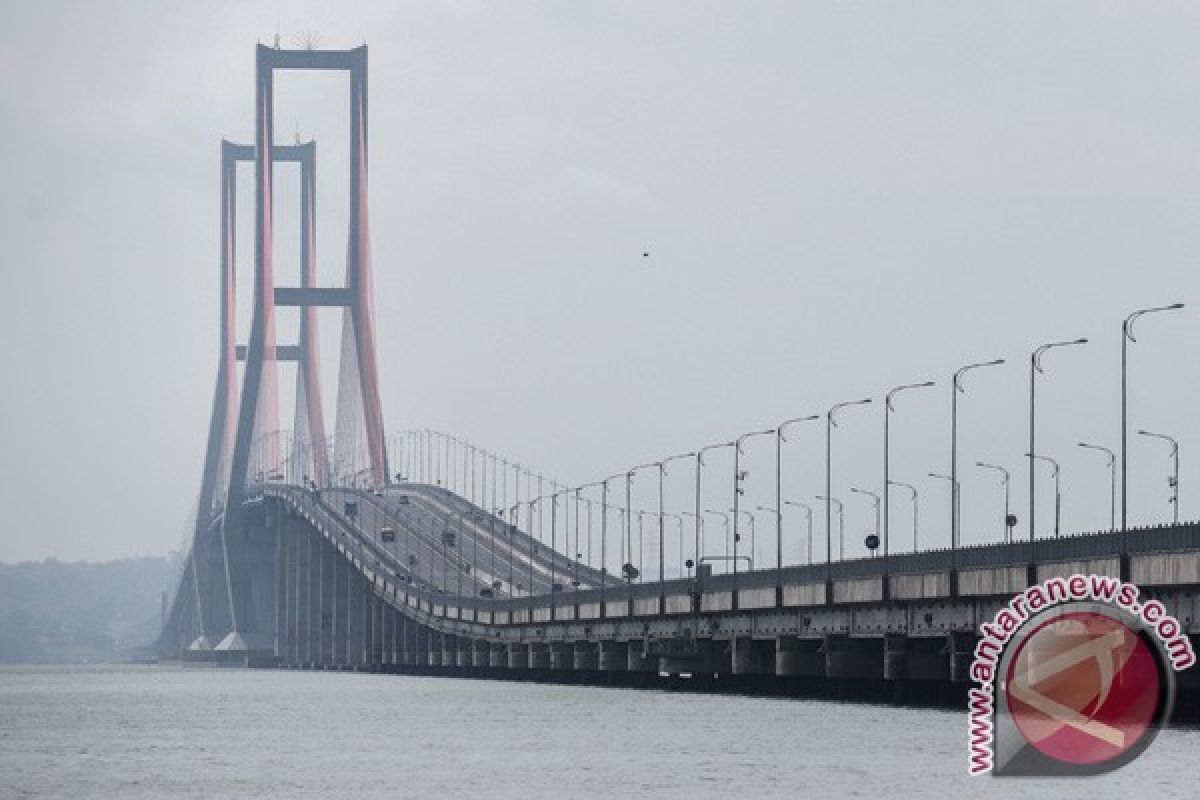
[327, 555]
[355, 614]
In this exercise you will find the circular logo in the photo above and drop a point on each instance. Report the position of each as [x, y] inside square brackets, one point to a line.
[1087, 690]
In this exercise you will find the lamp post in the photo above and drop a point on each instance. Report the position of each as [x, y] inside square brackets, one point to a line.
[662, 549]
[699, 528]
[1035, 367]
[1175, 477]
[699, 467]
[1126, 338]
[1006, 479]
[888, 408]
[738, 490]
[736, 536]
[875, 499]
[724, 518]
[780, 438]
[953, 488]
[1112, 480]
[629, 508]
[830, 424]
[604, 538]
[1057, 487]
[956, 388]
[913, 490]
[808, 514]
[841, 512]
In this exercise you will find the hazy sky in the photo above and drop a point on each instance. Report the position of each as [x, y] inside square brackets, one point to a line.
[838, 198]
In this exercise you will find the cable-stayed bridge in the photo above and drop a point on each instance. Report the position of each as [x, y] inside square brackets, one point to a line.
[418, 550]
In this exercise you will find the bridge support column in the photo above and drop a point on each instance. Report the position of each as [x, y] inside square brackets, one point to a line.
[961, 650]
[518, 655]
[435, 649]
[280, 595]
[465, 651]
[751, 657]
[539, 655]
[561, 656]
[848, 657]
[300, 576]
[326, 613]
[798, 657]
[479, 653]
[312, 590]
[449, 650]
[338, 635]
[687, 656]
[284, 592]
[420, 643]
[377, 631]
[614, 656]
[638, 660]
[895, 656]
[355, 615]
[497, 654]
[585, 655]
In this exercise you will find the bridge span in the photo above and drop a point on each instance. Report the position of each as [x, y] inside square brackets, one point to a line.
[336, 596]
[319, 551]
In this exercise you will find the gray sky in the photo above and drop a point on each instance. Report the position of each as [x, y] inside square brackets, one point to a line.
[838, 197]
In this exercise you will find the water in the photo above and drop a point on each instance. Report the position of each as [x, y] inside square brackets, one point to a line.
[159, 733]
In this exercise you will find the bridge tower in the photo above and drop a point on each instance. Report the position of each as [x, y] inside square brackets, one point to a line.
[205, 573]
[243, 446]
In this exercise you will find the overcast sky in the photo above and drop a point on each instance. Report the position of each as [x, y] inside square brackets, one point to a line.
[837, 197]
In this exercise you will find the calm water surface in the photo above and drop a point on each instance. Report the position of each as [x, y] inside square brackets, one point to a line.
[162, 733]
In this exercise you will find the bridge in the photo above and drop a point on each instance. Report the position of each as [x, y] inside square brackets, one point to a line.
[419, 551]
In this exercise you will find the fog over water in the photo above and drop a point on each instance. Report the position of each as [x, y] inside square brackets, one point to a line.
[155, 732]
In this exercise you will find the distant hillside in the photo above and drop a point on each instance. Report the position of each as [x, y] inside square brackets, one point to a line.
[56, 612]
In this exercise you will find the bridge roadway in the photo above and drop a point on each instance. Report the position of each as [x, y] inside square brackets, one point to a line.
[486, 551]
[916, 621]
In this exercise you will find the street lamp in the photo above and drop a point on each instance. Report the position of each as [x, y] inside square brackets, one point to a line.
[1057, 490]
[738, 478]
[724, 518]
[1112, 480]
[956, 388]
[662, 472]
[1126, 338]
[888, 408]
[1174, 480]
[780, 438]
[1006, 533]
[953, 492]
[699, 467]
[737, 536]
[875, 499]
[808, 514]
[830, 423]
[629, 509]
[913, 490]
[841, 512]
[1035, 367]
[699, 529]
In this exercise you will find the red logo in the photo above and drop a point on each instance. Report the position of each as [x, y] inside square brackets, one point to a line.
[1084, 689]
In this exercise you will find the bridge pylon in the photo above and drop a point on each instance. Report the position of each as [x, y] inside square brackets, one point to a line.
[231, 594]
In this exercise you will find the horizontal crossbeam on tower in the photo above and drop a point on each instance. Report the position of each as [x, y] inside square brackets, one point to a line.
[283, 352]
[312, 296]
